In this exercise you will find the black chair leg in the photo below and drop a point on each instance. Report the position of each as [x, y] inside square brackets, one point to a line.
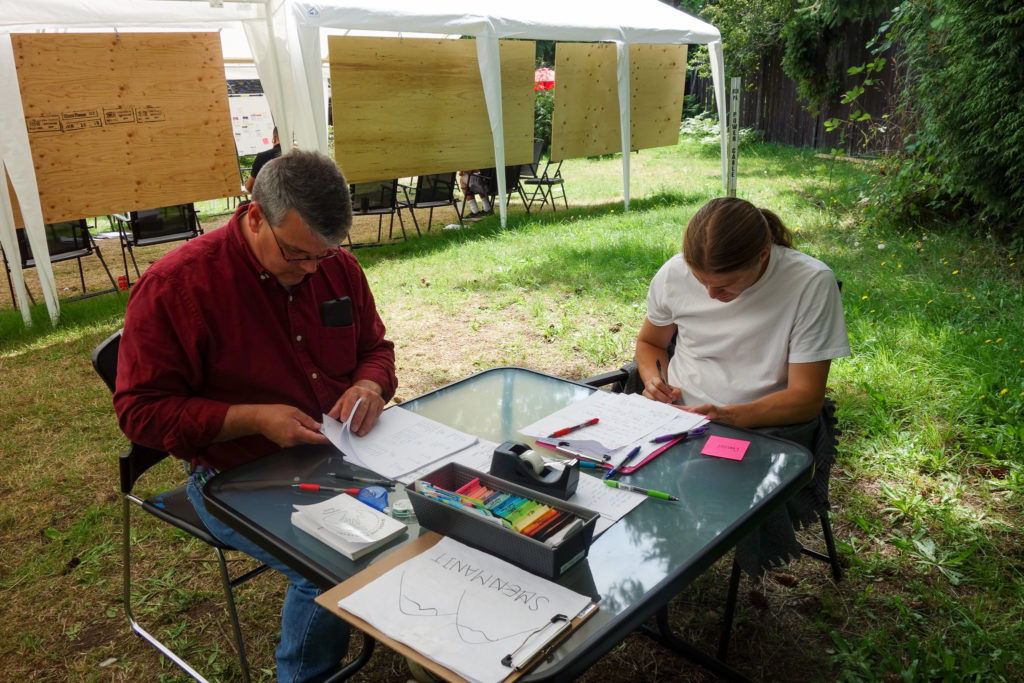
[730, 611]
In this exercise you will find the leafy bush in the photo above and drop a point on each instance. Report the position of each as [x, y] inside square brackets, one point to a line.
[964, 144]
[543, 105]
[703, 129]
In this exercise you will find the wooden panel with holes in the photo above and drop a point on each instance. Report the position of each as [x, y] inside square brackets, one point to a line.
[119, 122]
[413, 106]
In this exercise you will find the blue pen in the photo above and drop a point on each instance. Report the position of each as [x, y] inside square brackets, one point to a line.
[615, 470]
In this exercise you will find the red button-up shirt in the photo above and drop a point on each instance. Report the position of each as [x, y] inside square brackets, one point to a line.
[207, 327]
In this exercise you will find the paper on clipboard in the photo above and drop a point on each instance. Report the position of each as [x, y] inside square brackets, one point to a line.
[428, 548]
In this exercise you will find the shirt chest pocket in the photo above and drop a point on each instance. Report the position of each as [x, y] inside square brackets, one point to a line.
[333, 350]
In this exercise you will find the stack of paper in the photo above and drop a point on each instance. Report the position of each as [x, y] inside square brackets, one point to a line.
[402, 441]
[347, 525]
[624, 421]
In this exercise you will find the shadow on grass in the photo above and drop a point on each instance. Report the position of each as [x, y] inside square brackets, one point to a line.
[76, 316]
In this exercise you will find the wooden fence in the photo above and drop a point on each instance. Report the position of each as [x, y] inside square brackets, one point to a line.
[769, 102]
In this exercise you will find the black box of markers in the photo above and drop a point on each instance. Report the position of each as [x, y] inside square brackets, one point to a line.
[549, 559]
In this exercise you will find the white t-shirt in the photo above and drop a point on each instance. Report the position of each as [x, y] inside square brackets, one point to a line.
[739, 351]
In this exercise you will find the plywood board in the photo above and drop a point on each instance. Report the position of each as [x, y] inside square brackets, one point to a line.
[405, 107]
[119, 122]
[585, 120]
[657, 82]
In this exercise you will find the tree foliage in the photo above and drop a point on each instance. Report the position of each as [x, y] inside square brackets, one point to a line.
[964, 124]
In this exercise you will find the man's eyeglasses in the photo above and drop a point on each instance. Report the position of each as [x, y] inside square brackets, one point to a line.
[330, 254]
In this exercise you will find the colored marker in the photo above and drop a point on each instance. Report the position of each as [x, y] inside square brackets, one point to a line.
[637, 489]
[569, 430]
[680, 435]
[615, 470]
[332, 489]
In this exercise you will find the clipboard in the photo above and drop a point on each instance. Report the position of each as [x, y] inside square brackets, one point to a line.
[329, 601]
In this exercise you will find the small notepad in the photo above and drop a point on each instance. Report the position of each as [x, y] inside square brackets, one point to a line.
[723, 447]
[347, 525]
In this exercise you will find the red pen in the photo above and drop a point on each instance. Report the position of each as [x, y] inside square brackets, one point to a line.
[567, 430]
[332, 489]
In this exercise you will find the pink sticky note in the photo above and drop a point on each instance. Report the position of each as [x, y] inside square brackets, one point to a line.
[721, 447]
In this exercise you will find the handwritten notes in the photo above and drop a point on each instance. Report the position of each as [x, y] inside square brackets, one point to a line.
[722, 447]
[463, 608]
[624, 419]
[400, 442]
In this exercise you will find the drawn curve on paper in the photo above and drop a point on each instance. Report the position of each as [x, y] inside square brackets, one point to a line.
[415, 608]
[468, 632]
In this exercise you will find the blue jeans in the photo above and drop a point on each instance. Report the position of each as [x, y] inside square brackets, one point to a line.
[313, 641]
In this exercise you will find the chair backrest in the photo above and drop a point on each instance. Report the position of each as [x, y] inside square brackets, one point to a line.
[532, 170]
[104, 359]
[379, 196]
[511, 179]
[437, 189]
[166, 224]
[64, 240]
[138, 459]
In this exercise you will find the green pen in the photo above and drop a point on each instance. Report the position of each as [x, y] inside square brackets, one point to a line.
[636, 489]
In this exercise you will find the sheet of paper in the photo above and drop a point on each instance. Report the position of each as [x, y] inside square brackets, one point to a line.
[612, 504]
[723, 447]
[477, 457]
[623, 419]
[402, 441]
[462, 608]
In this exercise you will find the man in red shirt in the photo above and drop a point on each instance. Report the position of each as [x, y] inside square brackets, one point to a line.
[228, 353]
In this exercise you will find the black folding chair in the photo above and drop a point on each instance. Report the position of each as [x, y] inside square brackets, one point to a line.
[155, 226]
[550, 186]
[528, 172]
[431, 192]
[376, 198]
[172, 507]
[65, 241]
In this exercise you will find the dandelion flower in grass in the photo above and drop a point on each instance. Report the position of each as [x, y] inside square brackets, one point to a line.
[981, 397]
[864, 297]
[884, 262]
[988, 341]
[955, 272]
[881, 246]
[929, 301]
[899, 265]
[1003, 391]
[999, 340]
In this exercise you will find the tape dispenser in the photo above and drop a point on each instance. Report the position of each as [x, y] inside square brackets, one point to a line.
[516, 462]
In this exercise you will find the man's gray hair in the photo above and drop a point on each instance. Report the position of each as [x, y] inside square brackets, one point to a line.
[314, 186]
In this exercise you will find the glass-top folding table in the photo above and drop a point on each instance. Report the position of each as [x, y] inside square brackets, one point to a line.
[633, 569]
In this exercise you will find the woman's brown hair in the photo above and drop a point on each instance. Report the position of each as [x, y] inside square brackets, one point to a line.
[727, 234]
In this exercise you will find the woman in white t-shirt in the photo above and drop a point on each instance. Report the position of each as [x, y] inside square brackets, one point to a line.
[758, 322]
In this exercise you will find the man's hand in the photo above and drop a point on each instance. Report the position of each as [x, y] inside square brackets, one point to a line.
[282, 424]
[707, 410]
[370, 407]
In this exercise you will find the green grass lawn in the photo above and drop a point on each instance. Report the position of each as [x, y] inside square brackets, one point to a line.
[927, 493]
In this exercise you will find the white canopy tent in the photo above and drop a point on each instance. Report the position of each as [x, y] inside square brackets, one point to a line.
[285, 37]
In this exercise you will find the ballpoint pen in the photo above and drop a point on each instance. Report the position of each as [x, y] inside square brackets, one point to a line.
[661, 373]
[615, 470]
[332, 489]
[636, 489]
[569, 430]
[680, 435]
[386, 483]
[594, 465]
